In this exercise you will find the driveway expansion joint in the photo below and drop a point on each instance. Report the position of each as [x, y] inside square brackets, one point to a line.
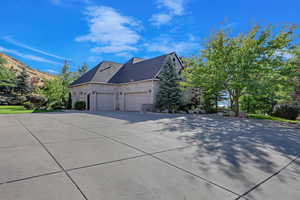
[52, 156]
[153, 156]
[268, 178]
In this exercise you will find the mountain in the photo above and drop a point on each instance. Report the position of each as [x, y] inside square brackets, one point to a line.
[37, 77]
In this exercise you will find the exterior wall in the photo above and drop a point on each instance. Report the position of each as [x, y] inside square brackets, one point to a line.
[146, 86]
[79, 93]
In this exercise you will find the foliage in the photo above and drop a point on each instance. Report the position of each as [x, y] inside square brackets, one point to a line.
[28, 105]
[83, 69]
[244, 64]
[169, 95]
[7, 78]
[268, 117]
[57, 91]
[38, 102]
[23, 85]
[18, 110]
[54, 92]
[287, 110]
[80, 105]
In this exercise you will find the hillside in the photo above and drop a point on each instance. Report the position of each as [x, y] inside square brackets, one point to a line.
[36, 76]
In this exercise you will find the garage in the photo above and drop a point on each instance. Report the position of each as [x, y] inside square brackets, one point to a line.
[134, 101]
[105, 101]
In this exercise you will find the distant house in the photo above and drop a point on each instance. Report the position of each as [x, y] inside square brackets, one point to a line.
[113, 86]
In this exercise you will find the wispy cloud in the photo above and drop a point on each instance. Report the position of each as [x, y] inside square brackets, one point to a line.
[110, 31]
[9, 39]
[166, 44]
[60, 2]
[28, 56]
[171, 8]
[52, 71]
[94, 59]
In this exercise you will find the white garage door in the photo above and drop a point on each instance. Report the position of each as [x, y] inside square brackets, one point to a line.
[105, 101]
[134, 101]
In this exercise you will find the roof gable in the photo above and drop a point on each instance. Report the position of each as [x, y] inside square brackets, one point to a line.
[135, 69]
[142, 70]
[103, 72]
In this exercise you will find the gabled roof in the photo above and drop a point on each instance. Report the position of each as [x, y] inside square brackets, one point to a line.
[136, 69]
[146, 69]
[103, 72]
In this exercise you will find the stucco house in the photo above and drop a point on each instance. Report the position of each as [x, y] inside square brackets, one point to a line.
[113, 86]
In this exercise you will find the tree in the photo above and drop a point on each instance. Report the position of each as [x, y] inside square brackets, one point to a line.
[296, 61]
[7, 77]
[66, 78]
[169, 95]
[23, 85]
[239, 65]
[83, 69]
[54, 91]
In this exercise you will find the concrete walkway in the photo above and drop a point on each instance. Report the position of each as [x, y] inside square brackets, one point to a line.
[132, 156]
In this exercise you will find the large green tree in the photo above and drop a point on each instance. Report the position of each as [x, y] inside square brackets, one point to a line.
[23, 84]
[7, 77]
[243, 64]
[169, 95]
[53, 91]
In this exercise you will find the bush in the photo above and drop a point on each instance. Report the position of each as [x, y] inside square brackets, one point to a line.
[287, 110]
[38, 101]
[27, 105]
[80, 105]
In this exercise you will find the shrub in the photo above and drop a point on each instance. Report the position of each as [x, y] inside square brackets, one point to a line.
[37, 101]
[27, 105]
[80, 105]
[286, 110]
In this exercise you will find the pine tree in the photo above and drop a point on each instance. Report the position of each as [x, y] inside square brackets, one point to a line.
[83, 69]
[7, 77]
[169, 95]
[66, 77]
[23, 86]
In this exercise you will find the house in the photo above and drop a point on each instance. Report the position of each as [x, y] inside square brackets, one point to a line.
[113, 86]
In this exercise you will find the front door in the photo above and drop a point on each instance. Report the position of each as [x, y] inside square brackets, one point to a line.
[88, 102]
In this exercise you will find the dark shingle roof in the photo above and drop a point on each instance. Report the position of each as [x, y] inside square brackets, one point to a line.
[103, 72]
[135, 69]
[146, 69]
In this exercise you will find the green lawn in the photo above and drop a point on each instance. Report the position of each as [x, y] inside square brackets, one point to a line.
[17, 110]
[267, 117]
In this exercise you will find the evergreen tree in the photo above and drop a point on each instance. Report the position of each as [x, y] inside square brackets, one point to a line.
[66, 79]
[7, 77]
[169, 95]
[83, 69]
[23, 86]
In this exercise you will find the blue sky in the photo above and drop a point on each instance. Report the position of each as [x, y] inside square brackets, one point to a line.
[44, 33]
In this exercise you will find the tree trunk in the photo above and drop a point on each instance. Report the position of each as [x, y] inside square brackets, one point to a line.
[236, 102]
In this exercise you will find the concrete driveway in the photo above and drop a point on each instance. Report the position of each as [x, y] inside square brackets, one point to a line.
[132, 156]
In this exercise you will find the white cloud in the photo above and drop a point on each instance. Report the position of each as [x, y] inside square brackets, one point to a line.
[56, 2]
[110, 30]
[19, 44]
[124, 55]
[28, 56]
[159, 19]
[166, 45]
[60, 2]
[94, 59]
[113, 49]
[52, 71]
[172, 8]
